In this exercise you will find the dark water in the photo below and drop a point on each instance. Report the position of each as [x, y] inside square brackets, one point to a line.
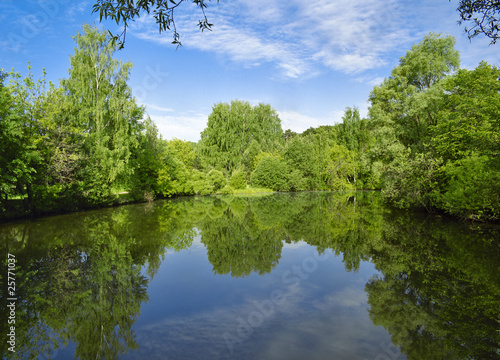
[282, 276]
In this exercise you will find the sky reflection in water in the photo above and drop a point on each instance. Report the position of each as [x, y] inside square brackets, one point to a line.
[277, 276]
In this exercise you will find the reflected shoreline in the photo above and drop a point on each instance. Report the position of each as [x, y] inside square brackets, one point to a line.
[83, 277]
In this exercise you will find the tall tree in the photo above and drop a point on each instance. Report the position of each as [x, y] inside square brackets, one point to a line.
[402, 110]
[21, 132]
[469, 117]
[13, 163]
[299, 156]
[407, 100]
[104, 110]
[467, 137]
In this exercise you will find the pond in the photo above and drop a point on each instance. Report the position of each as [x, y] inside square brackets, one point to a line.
[274, 276]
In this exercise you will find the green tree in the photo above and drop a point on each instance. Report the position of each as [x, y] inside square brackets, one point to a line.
[184, 151]
[354, 134]
[199, 183]
[217, 179]
[147, 161]
[21, 129]
[469, 117]
[410, 181]
[289, 134]
[470, 188]
[407, 101]
[231, 129]
[341, 168]
[105, 111]
[173, 177]
[14, 161]
[467, 137]
[348, 131]
[249, 156]
[299, 156]
[403, 110]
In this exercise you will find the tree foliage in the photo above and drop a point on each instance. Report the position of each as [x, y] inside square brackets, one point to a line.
[104, 109]
[230, 130]
[484, 17]
[126, 11]
[437, 132]
[238, 179]
[271, 172]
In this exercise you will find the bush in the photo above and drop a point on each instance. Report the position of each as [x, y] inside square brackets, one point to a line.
[270, 173]
[238, 179]
[199, 184]
[216, 179]
[296, 181]
[226, 190]
[471, 190]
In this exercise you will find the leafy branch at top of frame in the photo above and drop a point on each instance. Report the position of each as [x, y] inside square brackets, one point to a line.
[484, 16]
[125, 11]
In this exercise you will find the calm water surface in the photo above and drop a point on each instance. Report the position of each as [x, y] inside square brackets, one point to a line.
[276, 276]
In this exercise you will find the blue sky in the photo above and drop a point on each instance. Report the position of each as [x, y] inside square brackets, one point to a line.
[308, 59]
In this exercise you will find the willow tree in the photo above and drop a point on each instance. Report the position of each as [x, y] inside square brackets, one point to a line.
[104, 111]
[231, 129]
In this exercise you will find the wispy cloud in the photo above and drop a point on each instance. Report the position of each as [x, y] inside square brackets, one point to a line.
[350, 36]
[373, 81]
[77, 9]
[157, 108]
[299, 122]
[182, 126]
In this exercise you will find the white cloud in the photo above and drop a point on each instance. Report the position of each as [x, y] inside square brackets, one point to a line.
[373, 81]
[183, 126]
[150, 107]
[346, 297]
[242, 45]
[77, 9]
[347, 35]
[298, 122]
[353, 35]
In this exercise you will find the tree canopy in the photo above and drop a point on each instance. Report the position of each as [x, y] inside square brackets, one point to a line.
[230, 130]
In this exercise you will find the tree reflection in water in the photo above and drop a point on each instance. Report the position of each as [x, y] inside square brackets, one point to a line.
[82, 278]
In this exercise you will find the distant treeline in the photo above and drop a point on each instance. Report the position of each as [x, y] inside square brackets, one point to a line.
[431, 140]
